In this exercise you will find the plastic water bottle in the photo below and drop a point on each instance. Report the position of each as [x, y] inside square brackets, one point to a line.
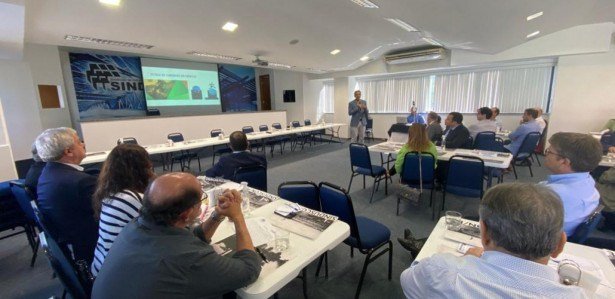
[245, 203]
[444, 142]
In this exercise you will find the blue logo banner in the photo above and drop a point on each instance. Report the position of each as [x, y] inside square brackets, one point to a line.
[237, 88]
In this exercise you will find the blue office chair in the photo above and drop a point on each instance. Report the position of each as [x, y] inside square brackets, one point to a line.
[369, 129]
[271, 142]
[184, 157]
[582, 232]
[255, 175]
[304, 193]
[361, 164]
[13, 217]
[522, 158]
[485, 141]
[313, 134]
[465, 177]
[64, 268]
[284, 139]
[410, 173]
[24, 197]
[367, 235]
[225, 149]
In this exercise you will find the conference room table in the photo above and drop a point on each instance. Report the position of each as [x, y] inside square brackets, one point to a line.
[164, 148]
[300, 253]
[491, 159]
[588, 258]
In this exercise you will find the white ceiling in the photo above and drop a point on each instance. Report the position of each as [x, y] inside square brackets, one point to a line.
[176, 27]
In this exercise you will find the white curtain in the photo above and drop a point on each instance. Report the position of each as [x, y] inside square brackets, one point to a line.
[325, 100]
[512, 89]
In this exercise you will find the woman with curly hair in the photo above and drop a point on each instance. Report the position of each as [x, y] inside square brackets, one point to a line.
[117, 200]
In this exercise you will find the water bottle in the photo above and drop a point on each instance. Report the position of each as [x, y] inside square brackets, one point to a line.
[444, 142]
[245, 203]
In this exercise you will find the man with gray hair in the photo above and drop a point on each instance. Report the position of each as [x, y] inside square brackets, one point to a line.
[570, 157]
[520, 228]
[65, 193]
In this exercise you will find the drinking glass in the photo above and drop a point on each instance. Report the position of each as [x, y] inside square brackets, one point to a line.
[453, 220]
[282, 240]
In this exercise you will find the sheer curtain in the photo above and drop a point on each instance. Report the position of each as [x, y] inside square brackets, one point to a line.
[325, 100]
[512, 89]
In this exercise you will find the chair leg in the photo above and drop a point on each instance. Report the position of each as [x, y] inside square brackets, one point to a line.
[390, 260]
[363, 182]
[363, 271]
[537, 159]
[514, 170]
[350, 184]
[351, 251]
[431, 197]
[373, 190]
[398, 200]
[531, 173]
[304, 278]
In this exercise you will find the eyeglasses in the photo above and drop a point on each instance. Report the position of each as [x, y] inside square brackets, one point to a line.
[549, 151]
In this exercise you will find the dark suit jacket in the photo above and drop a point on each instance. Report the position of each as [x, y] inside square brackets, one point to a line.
[33, 174]
[65, 201]
[226, 166]
[457, 137]
[607, 141]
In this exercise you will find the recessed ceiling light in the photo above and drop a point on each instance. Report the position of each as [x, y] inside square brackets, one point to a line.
[106, 42]
[280, 65]
[533, 34]
[536, 15]
[110, 2]
[335, 52]
[230, 26]
[365, 3]
[365, 58]
[431, 41]
[217, 56]
[403, 25]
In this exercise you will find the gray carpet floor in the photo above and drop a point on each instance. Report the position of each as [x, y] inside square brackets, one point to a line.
[318, 163]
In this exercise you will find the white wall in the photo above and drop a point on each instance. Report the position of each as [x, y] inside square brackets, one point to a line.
[288, 80]
[311, 95]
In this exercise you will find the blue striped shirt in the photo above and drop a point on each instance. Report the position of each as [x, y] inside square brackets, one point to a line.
[116, 212]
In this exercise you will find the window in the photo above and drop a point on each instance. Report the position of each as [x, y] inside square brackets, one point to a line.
[325, 99]
[511, 88]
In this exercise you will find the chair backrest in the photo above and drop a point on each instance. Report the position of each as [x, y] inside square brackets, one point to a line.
[304, 193]
[469, 143]
[62, 266]
[127, 140]
[484, 140]
[359, 156]
[296, 124]
[263, 128]
[529, 144]
[307, 122]
[23, 199]
[465, 176]
[176, 137]
[40, 219]
[215, 132]
[255, 175]
[587, 227]
[410, 169]
[276, 126]
[336, 201]
[247, 129]
[370, 124]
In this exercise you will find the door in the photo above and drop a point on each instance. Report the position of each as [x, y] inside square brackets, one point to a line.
[265, 92]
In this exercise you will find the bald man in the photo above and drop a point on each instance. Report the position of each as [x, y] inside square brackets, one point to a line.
[156, 256]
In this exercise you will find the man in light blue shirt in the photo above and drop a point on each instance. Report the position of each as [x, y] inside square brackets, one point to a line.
[521, 228]
[414, 117]
[529, 125]
[570, 158]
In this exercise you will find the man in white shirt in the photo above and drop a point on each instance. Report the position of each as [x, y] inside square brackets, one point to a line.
[484, 124]
[539, 120]
[521, 229]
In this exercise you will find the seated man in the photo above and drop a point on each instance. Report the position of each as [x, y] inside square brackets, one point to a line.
[35, 170]
[65, 192]
[608, 143]
[227, 165]
[528, 125]
[456, 134]
[484, 124]
[156, 256]
[521, 228]
[541, 121]
[414, 117]
[570, 158]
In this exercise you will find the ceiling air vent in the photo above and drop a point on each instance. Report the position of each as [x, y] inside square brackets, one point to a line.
[415, 56]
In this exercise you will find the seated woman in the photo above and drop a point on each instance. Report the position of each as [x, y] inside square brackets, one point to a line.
[434, 129]
[117, 200]
[417, 142]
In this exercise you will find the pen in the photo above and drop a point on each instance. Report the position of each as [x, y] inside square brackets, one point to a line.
[261, 254]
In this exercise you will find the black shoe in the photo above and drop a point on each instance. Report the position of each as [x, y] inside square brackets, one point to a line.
[412, 245]
[408, 234]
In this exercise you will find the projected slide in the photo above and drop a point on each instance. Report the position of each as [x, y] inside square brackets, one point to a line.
[165, 86]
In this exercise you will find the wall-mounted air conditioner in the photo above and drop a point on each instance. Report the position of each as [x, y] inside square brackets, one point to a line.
[415, 56]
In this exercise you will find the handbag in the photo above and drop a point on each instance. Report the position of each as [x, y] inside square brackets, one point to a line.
[412, 194]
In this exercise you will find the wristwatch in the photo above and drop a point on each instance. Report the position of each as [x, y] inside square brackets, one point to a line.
[217, 217]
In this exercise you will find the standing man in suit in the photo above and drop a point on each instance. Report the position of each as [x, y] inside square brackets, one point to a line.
[357, 109]
[65, 192]
[240, 157]
[456, 134]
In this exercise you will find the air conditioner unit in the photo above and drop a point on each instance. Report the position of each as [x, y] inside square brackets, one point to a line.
[415, 56]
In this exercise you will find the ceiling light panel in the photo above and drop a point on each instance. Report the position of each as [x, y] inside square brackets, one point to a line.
[403, 25]
[110, 2]
[273, 64]
[335, 52]
[106, 42]
[431, 41]
[230, 27]
[364, 58]
[533, 34]
[536, 15]
[365, 3]
[210, 55]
